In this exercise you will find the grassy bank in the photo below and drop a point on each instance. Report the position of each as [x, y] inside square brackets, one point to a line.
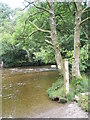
[77, 87]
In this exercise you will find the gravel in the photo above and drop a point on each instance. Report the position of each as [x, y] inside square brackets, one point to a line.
[68, 110]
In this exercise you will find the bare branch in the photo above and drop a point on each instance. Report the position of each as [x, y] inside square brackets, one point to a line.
[50, 43]
[32, 33]
[29, 3]
[75, 5]
[48, 3]
[85, 9]
[26, 7]
[84, 20]
[42, 8]
[39, 29]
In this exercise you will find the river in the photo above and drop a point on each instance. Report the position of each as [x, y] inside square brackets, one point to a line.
[24, 91]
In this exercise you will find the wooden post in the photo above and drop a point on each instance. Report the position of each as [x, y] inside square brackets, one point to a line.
[66, 76]
[0, 93]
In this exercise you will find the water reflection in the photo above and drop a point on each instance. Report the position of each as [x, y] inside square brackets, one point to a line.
[24, 91]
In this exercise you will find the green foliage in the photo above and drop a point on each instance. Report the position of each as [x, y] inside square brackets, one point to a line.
[58, 90]
[47, 56]
[76, 87]
[80, 85]
[13, 55]
[83, 102]
[84, 64]
[55, 91]
[15, 32]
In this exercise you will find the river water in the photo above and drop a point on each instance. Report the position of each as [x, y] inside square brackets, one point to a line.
[24, 91]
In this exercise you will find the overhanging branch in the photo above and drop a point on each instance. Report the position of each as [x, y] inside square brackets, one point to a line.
[32, 33]
[48, 36]
[85, 10]
[29, 3]
[41, 8]
[33, 15]
[39, 29]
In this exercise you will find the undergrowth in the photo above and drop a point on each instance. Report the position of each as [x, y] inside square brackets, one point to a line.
[76, 87]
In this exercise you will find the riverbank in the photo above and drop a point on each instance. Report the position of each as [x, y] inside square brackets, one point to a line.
[68, 110]
[78, 91]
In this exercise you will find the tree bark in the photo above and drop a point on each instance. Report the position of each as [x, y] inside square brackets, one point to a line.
[75, 62]
[54, 38]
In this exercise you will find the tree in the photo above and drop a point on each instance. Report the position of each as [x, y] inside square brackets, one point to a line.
[75, 63]
[76, 55]
[54, 37]
[51, 34]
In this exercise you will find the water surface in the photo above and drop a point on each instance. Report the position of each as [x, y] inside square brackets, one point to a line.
[24, 91]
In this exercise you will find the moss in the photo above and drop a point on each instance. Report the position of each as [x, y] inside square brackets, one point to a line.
[57, 89]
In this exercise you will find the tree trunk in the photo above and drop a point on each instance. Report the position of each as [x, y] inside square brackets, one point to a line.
[75, 63]
[54, 37]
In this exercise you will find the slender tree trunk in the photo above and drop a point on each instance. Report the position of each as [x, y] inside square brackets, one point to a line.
[75, 63]
[54, 37]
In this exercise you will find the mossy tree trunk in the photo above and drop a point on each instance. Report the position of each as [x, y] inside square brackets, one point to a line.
[75, 63]
[54, 37]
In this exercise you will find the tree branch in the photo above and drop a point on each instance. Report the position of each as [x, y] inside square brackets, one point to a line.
[36, 13]
[26, 7]
[75, 5]
[85, 10]
[48, 3]
[29, 35]
[39, 29]
[32, 33]
[84, 20]
[41, 8]
[29, 3]
[50, 43]
[48, 36]
[33, 15]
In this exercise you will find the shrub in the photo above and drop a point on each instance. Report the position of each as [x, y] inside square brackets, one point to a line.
[83, 102]
[58, 90]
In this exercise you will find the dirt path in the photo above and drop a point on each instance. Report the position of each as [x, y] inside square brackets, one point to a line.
[69, 110]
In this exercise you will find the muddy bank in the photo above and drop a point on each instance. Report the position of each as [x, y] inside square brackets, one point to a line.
[69, 110]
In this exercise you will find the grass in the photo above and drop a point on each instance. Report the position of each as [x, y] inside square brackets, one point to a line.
[77, 86]
[58, 90]
[83, 102]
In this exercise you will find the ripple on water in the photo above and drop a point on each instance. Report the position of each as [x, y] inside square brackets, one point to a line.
[9, 96]
[26, 90]
[29, 70]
